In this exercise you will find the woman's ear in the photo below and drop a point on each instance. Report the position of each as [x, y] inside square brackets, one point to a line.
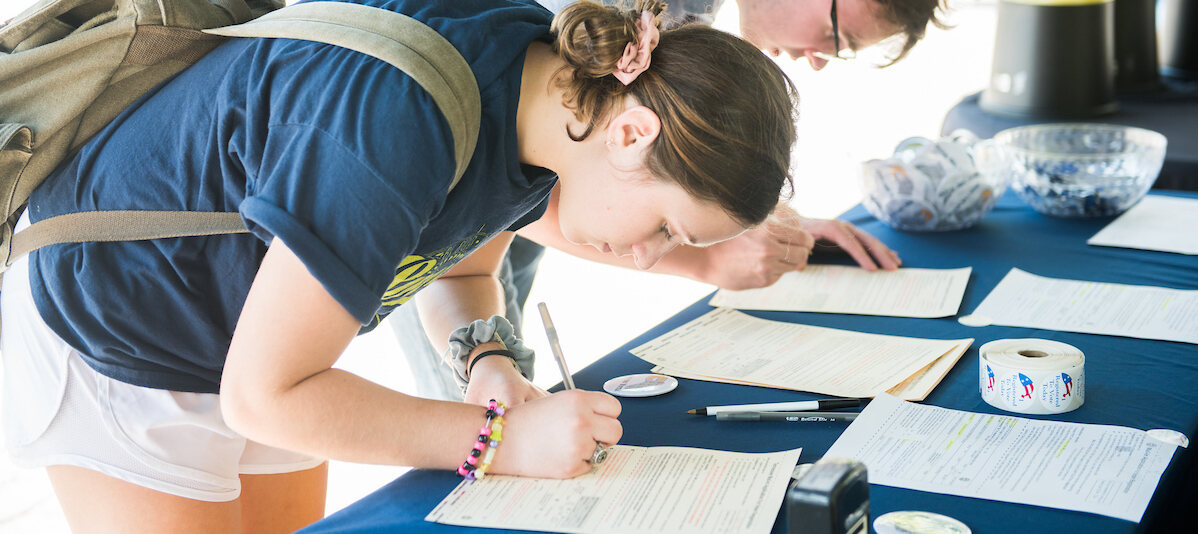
[632, 132]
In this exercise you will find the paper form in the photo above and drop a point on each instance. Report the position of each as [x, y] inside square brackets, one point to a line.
[1146, 312]
[1156, 223]
[650, 490]
[1102, 469]
[729, 346]
[840, 289]
[920, 384]
[917, 387]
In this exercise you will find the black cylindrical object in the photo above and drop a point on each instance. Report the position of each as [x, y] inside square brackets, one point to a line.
[1136, 65]
[1053, 59]
[1179, 39]
[832, 497]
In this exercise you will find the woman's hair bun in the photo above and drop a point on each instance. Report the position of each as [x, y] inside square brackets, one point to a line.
[591, 37]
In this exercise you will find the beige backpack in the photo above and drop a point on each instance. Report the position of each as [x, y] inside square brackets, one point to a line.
[68, 67]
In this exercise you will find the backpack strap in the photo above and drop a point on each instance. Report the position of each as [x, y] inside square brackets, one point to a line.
[123, 225]
[409, 45]
[400, 40]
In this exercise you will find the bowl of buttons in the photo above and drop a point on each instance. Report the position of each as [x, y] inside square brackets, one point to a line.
[1080, 169]
[933, 186]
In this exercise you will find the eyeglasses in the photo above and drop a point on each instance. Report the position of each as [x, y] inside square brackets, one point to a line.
[837, 52]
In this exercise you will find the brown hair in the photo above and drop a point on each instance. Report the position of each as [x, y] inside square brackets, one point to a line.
[727, 112]
[911, 17]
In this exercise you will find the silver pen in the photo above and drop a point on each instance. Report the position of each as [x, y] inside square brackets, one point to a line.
[600, 453]
[555, 346]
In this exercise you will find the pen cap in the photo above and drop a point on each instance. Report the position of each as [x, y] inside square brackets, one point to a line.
[836, 404]
[832, 497]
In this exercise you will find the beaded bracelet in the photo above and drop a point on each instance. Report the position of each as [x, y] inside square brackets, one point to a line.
[495, 437]
[489, 437]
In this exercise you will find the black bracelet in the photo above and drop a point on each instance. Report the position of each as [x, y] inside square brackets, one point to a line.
[501, 352]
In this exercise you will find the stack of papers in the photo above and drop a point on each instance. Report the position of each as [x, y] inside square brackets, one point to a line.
[725, 345]
[839, 289]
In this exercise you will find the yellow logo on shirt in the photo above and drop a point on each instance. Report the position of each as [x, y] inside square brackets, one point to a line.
[415, 272]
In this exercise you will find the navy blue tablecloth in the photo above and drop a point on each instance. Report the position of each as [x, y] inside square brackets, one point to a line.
[1129, 382]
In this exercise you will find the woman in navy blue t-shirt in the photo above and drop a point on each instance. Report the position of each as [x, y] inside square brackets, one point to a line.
[188, 384]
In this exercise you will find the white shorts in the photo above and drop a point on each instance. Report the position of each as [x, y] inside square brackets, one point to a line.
[58, 411]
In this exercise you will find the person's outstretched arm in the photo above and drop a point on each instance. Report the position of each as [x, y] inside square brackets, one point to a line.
[756, 258]
[279, 388]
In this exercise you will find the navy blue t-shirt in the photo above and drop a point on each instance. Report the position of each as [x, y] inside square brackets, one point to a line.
[339, 154]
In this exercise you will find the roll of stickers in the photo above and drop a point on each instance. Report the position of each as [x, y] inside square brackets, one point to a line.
[1032, 376]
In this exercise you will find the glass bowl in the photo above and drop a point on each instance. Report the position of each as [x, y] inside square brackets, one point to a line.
[1079, 169]
[933, 186]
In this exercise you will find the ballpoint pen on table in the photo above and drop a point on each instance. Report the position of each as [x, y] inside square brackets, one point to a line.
[793, 417]
[600, 453]
[821, 404]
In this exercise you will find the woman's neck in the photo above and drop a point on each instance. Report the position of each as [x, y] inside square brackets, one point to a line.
[541, 118]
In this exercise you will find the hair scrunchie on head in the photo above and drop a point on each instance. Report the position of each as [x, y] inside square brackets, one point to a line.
[636, 56]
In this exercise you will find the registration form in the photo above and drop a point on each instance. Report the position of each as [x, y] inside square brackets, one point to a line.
[1101, 469]
[1155, 223]
[649, 490]
[840, 289]
[1146, 312]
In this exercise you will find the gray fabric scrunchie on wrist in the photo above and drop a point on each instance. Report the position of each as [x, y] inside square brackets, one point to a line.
[497, 328]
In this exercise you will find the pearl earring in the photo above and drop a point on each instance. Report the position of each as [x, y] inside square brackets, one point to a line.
[609, 142]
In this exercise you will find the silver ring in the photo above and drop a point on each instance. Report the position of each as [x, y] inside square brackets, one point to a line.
[787, 258]
[600, 454]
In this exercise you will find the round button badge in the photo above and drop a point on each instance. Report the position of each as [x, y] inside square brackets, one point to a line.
[642, 385]
[914, 522]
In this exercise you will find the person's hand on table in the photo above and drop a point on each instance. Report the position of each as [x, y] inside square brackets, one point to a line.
[761, 255]
[868, 251]
[496, 378]
[555, 436]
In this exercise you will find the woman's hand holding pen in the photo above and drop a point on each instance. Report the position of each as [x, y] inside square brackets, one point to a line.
[555, 436]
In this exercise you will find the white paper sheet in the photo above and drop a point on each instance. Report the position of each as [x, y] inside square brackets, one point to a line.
[727, 345]
[840, 289]
[1146, 312]
[1102, 469]
[1161, 223]
[649, 490]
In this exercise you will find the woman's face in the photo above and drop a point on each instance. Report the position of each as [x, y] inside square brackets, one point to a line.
[608, 199]
[630, 213]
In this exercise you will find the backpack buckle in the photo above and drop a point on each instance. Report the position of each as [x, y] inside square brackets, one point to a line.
[5, 244]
